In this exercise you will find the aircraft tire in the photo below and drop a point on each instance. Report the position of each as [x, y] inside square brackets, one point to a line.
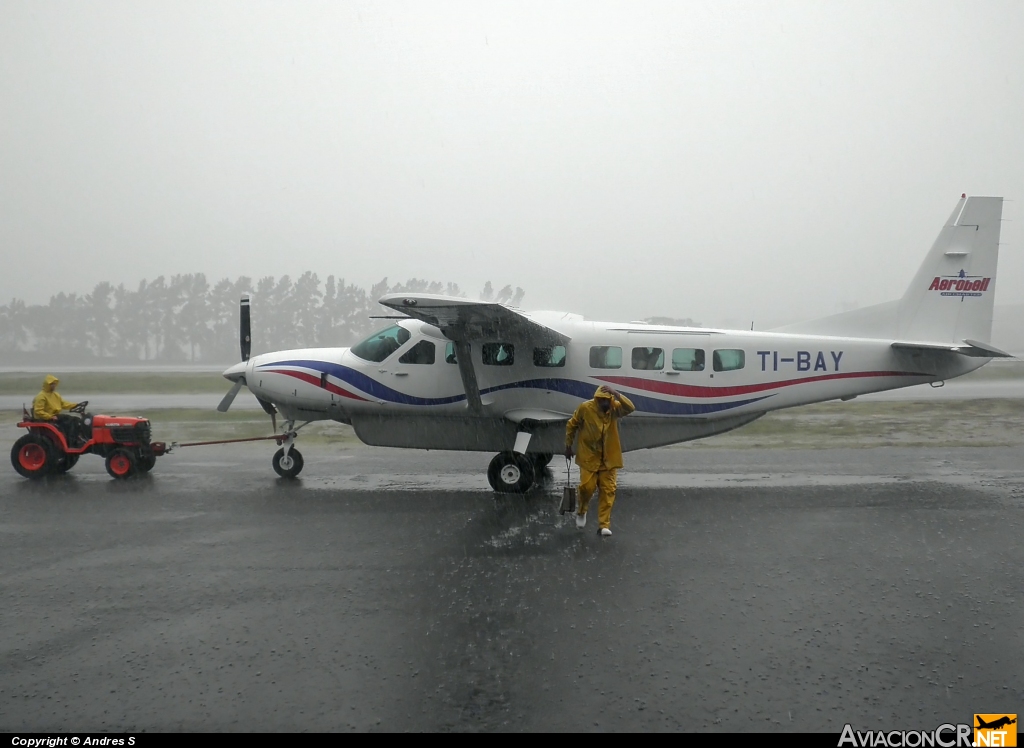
[510, 472]
[541, 459]
[290, 467]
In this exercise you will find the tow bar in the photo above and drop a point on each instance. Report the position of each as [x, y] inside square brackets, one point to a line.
[279, 438]
[287, 461]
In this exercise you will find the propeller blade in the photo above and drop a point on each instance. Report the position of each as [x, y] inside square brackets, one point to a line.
[230, 397]
[245, 329]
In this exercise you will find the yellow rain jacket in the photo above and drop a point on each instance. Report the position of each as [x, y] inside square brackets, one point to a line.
[599, 447]
[48, 402]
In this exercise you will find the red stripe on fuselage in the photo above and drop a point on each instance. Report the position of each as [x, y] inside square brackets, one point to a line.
[315, 381]
[692, 390]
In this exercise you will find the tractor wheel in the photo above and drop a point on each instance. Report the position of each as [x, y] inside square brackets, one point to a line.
[32, 456]
[65, 463]
[290, 466]
[121, 464]
[145, 461]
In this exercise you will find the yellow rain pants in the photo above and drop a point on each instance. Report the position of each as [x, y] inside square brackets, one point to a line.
[604, 482]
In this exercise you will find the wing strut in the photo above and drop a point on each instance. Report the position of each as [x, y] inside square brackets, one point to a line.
[464, 357]
[461, 321]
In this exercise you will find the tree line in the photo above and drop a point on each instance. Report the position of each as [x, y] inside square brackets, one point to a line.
[185, 318]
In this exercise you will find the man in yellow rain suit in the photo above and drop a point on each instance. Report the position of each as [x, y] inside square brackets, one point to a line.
[600, 453]
[48, 405]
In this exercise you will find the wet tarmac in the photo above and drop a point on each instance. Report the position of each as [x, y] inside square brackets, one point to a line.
[392, 590]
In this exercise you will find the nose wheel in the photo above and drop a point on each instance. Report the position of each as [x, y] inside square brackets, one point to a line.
[288, 465]
[511, 472]
[288, 460]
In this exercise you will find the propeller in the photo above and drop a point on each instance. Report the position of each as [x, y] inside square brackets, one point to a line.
[230, 397]
[245, 329]
[237, 372]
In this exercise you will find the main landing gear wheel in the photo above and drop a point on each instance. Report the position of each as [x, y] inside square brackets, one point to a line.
[290, 466]
[32, 456]
[510, 472]
[541, 459]
[121, 464]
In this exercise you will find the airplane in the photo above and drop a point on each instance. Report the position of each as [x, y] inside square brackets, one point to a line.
[995, 724]
[450, 373]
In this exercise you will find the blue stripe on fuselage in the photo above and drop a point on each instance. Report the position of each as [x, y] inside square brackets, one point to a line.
[645, 404]
[367, 384]
[573, 387]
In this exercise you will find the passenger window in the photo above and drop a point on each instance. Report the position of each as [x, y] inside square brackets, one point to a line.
[688, 359]
[549, 357]
[421, 353]
[382, 344]
[729, 359]
[498, 354]
[449, 354]
[651, 359]
[605, 357]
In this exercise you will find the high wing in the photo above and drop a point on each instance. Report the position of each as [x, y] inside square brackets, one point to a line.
[464, 321]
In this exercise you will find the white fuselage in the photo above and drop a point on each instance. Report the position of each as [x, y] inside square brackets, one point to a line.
[423, 405]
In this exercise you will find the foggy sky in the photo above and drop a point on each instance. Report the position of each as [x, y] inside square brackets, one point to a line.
[727, 162]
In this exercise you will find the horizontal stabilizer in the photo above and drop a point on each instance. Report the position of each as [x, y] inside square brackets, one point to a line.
[971, 348]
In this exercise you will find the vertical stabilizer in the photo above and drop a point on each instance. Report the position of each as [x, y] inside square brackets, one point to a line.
[951, 297]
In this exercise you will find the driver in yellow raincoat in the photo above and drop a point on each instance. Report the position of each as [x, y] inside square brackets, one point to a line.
[600, 452]
[48, 405]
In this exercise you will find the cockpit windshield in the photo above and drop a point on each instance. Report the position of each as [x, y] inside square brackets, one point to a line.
[382, 344]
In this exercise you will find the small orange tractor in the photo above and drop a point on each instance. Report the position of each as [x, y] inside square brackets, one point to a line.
[122, 441]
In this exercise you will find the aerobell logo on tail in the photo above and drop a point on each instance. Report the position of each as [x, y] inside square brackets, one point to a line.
[960, 285]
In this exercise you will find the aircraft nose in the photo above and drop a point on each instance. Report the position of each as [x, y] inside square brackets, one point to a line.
[236, 372]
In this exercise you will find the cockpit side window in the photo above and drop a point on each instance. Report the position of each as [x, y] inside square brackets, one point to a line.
[498, 354]
[550, 356]
[382, 344]
[421, 353]
[449, 354]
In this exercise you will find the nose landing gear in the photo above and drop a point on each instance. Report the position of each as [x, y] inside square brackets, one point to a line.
[287, 460]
